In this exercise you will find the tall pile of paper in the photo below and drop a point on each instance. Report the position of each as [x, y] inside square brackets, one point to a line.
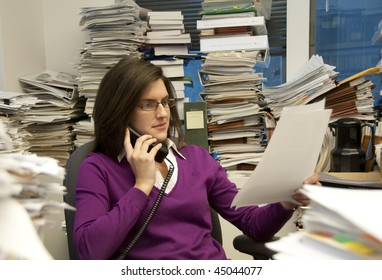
[24, 204]
[167, 45]
[54, 111]
[340, 223]
[115, 31]
[234, 40]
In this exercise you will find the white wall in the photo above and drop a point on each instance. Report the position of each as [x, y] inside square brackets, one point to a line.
[23, 49]
[64, 37]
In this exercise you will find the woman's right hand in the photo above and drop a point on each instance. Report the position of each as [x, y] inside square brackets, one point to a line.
[141, 161]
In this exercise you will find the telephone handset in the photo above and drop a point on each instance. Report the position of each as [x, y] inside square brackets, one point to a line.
[161, 154]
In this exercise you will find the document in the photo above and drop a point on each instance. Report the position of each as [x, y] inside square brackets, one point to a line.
[290, 157]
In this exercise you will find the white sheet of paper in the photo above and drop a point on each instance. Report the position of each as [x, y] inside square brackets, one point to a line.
[290, 157]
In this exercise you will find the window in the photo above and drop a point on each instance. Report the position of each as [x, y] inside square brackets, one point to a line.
[343, 35]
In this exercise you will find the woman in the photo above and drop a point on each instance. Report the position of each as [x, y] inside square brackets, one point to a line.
[118, 183]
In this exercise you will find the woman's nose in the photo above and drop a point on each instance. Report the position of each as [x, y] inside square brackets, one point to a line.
[161, 111]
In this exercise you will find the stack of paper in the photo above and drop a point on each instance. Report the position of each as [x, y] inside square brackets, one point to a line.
[233, 37]
[340, 223]
[166, 35]
[115, 31]
[24, 207]
[235, 108]
[352, 98]
[55, 110]
[313, 80]
[231, 25]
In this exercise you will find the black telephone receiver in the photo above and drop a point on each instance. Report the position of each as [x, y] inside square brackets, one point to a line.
[161, 154]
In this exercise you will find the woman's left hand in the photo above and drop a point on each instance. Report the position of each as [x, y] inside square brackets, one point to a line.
[300, 198]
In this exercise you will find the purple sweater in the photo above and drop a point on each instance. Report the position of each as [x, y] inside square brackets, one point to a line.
[110, 211]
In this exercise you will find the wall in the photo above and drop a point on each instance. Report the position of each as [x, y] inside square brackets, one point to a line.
[22, 35]
[63, 35]
[1, 58]
[45, 34]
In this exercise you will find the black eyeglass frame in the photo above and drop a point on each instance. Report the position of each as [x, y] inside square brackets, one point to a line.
[152, 105]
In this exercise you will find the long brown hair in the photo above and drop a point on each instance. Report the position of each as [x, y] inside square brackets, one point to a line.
[118, 94]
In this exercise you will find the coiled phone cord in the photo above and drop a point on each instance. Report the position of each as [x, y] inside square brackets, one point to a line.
[151, 214]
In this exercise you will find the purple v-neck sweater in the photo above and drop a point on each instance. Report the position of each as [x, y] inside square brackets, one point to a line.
[110, 211]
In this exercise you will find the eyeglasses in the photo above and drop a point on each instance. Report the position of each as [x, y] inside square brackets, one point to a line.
[151, 105]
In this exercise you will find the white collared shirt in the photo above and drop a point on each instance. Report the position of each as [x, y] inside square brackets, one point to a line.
[171, 157]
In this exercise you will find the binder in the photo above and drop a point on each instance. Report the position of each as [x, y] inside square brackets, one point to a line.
[232, 42]
[195, 120]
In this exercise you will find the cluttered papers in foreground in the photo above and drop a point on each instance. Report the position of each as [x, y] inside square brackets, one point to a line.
[339, 224]
[290, 157]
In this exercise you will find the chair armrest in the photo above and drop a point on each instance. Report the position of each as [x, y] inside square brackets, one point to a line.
[258, 250]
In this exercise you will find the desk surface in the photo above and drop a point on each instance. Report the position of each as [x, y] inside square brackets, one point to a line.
[352, 179]
[374, 175]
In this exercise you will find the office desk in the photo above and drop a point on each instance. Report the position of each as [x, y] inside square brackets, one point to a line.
[359, 179]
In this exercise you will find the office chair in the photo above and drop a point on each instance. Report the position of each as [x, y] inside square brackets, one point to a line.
[241, 243]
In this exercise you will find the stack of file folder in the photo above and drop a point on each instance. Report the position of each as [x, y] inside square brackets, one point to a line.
[234, 40]
[313, 80]
[55, 109]
[166, 35]
[352, 98]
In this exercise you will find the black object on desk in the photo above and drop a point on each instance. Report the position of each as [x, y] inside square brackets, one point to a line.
[334, 181]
